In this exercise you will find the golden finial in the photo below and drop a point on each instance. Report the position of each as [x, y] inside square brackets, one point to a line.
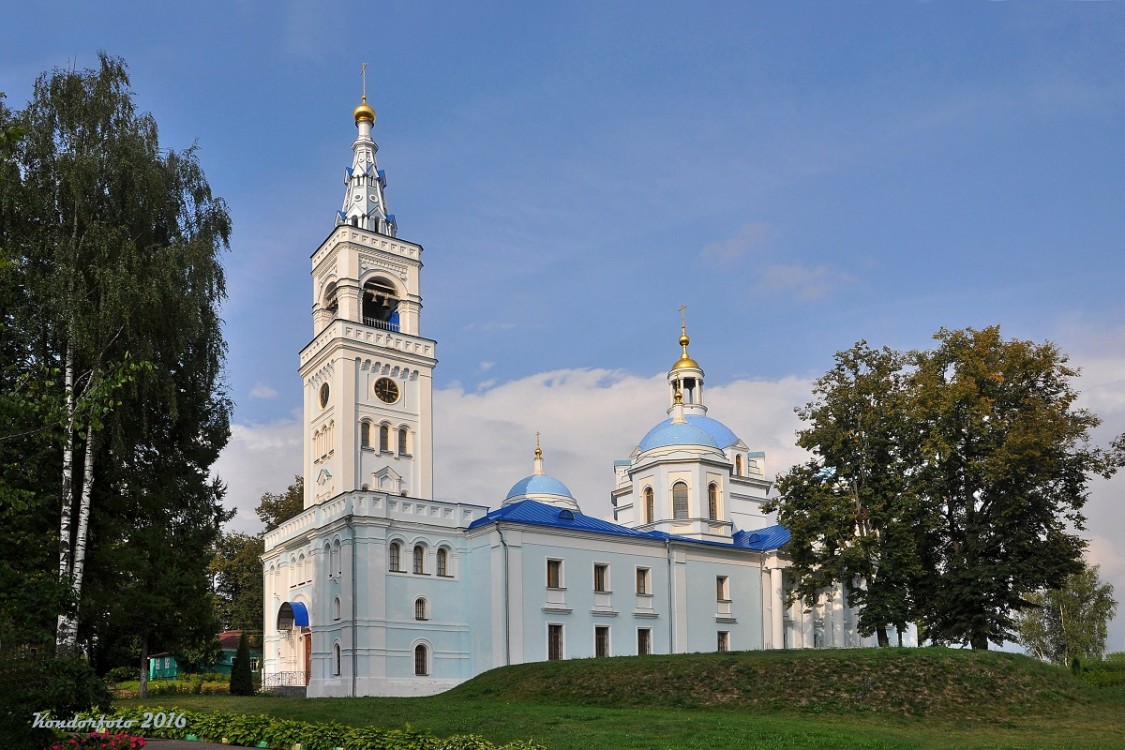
[685, 361]
[364, 113]
[679, 398]
[538, 450]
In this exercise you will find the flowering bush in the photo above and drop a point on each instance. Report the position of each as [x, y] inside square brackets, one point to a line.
[101, 741]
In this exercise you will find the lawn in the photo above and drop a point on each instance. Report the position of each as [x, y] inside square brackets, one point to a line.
[921, 698]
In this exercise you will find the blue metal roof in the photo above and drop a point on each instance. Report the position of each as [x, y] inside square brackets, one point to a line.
[765, 539]
[535, 513]
[714, 433]
[538, 484]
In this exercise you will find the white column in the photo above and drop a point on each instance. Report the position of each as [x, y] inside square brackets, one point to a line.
[777, 596]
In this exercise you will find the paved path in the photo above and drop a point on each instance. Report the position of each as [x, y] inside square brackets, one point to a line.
[157, 744]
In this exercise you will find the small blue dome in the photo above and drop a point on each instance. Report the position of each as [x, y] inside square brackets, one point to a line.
[538, 484]
[670, 433]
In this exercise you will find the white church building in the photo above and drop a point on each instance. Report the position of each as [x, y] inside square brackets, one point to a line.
[378, 589]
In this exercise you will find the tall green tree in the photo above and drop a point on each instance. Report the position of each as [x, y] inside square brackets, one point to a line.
[276, 508]
[848, 510]
[114, 288]
[945, 484]
[236, 567]
[1001, 461]
[1069, 622]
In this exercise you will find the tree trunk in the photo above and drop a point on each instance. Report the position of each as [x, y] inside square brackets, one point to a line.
[881, 632]
[978, 641]
[62, 636]
[68, 629]
[142, 691]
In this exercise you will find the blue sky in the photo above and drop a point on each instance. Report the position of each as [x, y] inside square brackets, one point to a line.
[801, 175]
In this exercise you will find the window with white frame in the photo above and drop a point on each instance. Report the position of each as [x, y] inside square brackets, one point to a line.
[554, 574]
[443, 562]
[554, 642]
[679, 500]
[395, 564]
[601, 640]
[722, 588]
[419, 559]
[601, 577]
[644, 581]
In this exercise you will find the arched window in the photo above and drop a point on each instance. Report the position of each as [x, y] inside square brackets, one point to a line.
[365, 434]
[713, 501]
[336, 556]
[650, 506]
[301, 570]
[396, 557]
[443, 562]
[738, 466]
[336, 610]
[385, 438]
[333, 554]
[336, 659]
[679, 500]
[420, 609]
[419, 559]
[420, 666]
[402, 447]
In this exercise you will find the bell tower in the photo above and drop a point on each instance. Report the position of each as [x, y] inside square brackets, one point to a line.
[367, 372]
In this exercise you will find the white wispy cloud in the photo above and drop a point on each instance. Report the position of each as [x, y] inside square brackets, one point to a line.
[261, 390]
[801, 281]
[750, 237]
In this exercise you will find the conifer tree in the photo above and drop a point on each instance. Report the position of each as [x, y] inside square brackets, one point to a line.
[241, 676]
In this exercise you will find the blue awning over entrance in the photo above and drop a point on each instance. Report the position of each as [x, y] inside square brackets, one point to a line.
[300, 614]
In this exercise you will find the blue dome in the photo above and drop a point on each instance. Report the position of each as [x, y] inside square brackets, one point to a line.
[717, 434]
[723, 435]
[670, 433]
[538, 484]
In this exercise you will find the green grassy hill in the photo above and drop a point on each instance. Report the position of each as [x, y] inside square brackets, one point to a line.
[913, 682]
[839, 700]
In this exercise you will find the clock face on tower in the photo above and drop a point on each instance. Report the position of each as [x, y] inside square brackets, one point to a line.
[387, 390]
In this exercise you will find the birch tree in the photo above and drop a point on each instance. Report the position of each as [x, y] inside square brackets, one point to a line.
[117, 240]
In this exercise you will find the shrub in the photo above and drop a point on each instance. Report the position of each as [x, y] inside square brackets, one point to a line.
[248, 730]
[122, 674]
[31, 684]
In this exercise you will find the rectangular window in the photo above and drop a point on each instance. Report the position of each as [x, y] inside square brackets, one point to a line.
[601, 578]
[554, 574]
[643, 582]
[724, 641]
[644, 641]
[396, 553]
[554, 641]
[601, 641]
[722, 588]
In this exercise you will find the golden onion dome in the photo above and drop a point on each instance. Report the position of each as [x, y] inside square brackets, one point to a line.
[364, 113]
[685, 362]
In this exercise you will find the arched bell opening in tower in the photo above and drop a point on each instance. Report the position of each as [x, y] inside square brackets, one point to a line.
[687, 389]
[380, 305]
